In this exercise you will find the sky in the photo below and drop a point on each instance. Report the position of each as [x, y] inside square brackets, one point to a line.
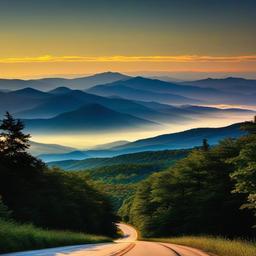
[65, 37]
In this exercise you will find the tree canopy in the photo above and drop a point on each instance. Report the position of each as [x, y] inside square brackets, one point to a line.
[46, 197]
[196, 195]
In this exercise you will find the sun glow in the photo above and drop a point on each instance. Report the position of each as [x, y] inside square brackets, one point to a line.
[182, 58]
[88, 140]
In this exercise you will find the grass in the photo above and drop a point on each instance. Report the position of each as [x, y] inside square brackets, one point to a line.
[215, 245]
[22, 237]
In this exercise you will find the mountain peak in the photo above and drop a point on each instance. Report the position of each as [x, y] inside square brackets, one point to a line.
[60, 90]
[110, 74]
[28, 91]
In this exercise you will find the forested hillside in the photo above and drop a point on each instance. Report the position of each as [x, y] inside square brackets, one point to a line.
[48, 198]
[161, 158]
[211, 191]
[119, 176]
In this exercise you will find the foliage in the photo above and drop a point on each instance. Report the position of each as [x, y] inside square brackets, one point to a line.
[163, 159]
[119, 181]
[4, 212]
[122, 173]
[216, 245]
[193, 197]
[17, 237]
[46, 197]
[245, 163]
[12, 140]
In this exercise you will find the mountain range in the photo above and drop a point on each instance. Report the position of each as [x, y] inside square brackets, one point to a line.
[181, 140]
[92, 117]
[37, 148]
[116, 102]
[234, 84]
[160, 159]
[46, 84]
[140, 88]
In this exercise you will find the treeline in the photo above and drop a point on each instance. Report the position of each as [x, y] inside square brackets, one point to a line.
[163, 159]
[211, 191]
[119, 181]
[118, 176]
[48, 198]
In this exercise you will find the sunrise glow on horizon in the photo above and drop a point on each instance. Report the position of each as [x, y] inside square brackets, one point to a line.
[81, 37]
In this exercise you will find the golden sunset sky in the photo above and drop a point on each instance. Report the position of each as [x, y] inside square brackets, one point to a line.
[64, 37]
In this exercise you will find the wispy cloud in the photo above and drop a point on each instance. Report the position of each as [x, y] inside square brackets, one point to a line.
[181, 58]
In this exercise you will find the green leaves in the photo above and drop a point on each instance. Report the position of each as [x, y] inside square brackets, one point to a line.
[194, 196]
[245, 174]
[12, 139]
[47, 197]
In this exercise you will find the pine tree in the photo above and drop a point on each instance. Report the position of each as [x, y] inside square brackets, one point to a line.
[12, 139]
[205, 146]
[250, 127]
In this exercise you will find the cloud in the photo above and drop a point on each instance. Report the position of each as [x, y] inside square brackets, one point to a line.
[181, 58]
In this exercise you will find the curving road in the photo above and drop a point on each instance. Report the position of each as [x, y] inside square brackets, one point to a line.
[126, 246]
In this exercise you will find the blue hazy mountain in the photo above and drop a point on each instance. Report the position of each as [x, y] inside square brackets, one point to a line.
[230, 84]
[180, 140]
[160, 159]
[93, 117]
[146, 89]
[46, 84]
[187, 139]
[60, 90]
[73, 155]
[74, 99]
[203, 110]
[66, 100]
[37, 148]
[29, 103]
[22, 99]
[30, 93]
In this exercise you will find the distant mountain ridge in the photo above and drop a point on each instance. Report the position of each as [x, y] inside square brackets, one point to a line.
[49, 111]
[180, 140]
[230, 84]
[90, 117]
[186, 139]
[46, 84]
[145, 89]
[37, 148]
[158, 158]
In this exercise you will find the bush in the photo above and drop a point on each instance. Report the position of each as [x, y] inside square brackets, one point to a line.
[216, 245]
[16, 237]
[48, 198]
[4, 212]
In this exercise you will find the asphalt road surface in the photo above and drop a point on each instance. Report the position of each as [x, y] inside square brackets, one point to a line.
[127, 246]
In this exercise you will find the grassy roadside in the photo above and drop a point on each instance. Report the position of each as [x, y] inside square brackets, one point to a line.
[17, 237]
[215, 245]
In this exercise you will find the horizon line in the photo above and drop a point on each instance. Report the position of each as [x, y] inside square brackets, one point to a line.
[123, 58]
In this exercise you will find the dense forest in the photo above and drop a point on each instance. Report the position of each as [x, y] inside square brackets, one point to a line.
[119, 176]
[119, 182]
[48, 198]
[211, 191]
[208, 190]
[162, 159]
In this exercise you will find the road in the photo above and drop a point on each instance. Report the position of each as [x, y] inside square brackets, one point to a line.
[126, 246]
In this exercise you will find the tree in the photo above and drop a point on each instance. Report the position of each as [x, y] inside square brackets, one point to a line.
[192, 197]
[12, 139]
[4, 212]
[245, 174]
[250, 127]
[48, 198]
[205, 146]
